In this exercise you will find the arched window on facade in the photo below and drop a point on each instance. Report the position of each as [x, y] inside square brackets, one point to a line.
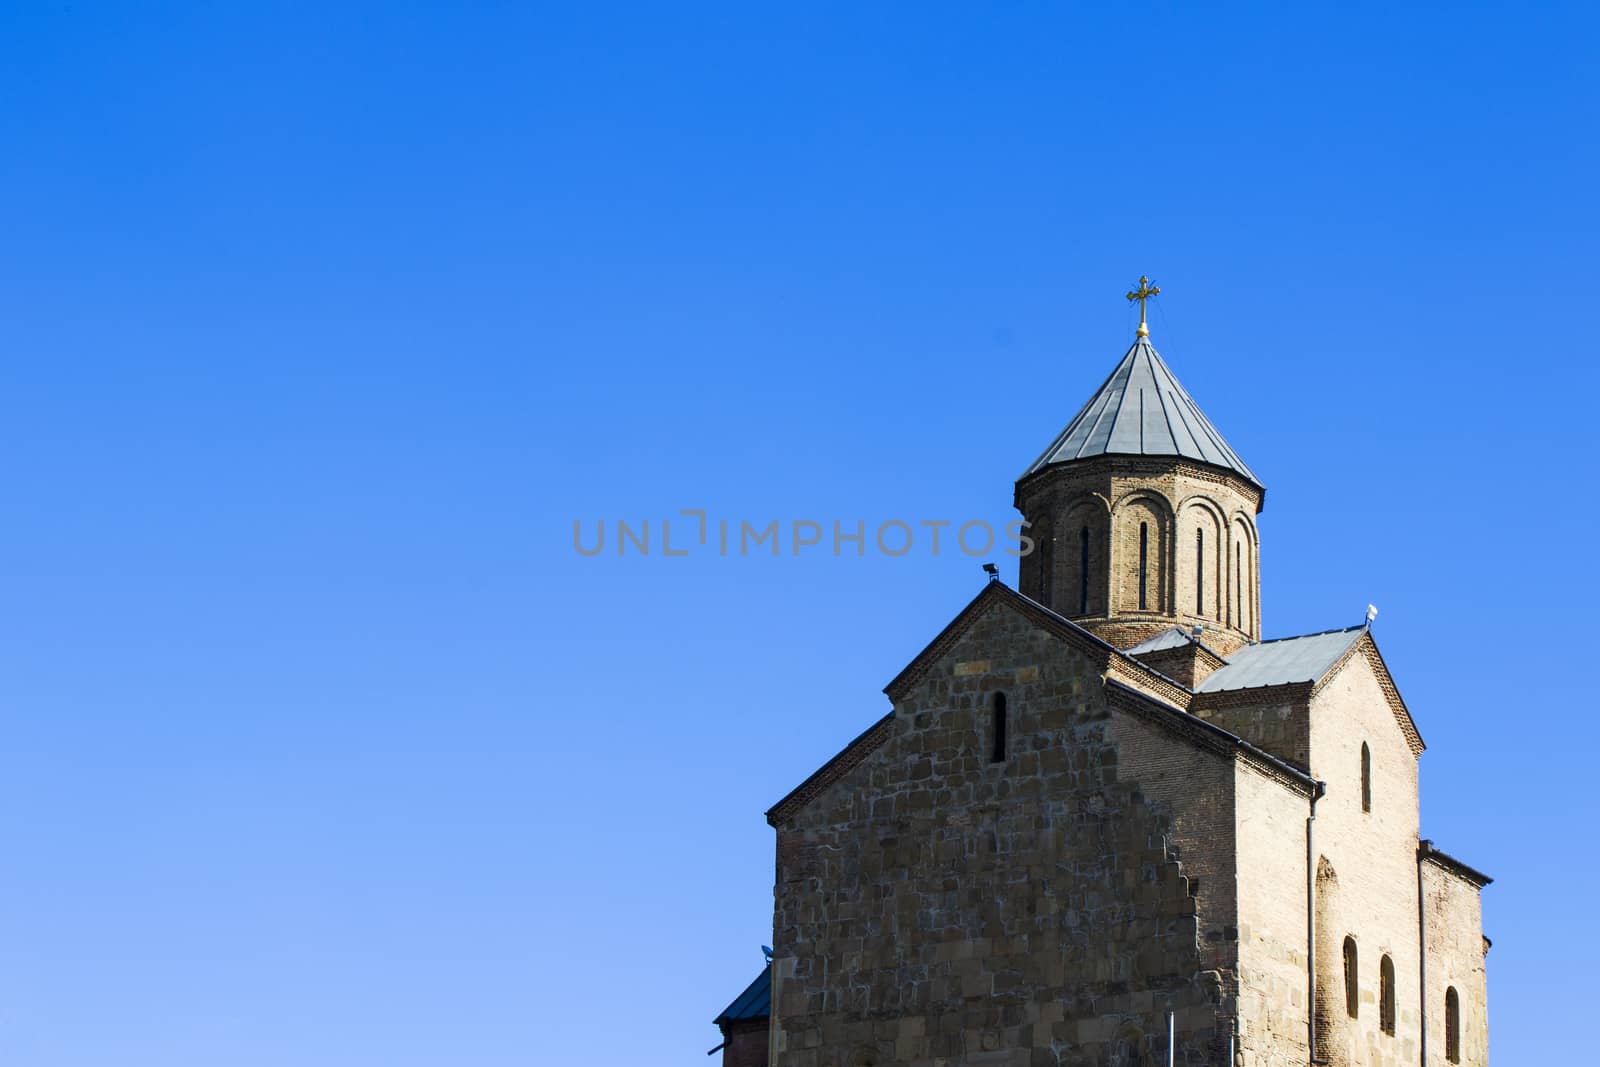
[1366, 777]
[1452, 1025]
[1083, 571]
[1144, 566]
[1238, 586]
[1352, 991]
[997, 728]
[1386, 994]
[1199, 571]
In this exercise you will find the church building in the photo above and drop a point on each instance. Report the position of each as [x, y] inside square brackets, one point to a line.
[1107, 822]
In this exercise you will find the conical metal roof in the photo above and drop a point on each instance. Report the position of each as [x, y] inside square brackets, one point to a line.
[1142, 410]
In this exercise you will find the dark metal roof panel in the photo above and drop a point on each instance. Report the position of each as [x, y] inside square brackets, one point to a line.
[1142, 410]
[1173, 638]
[754, 1003]
[1282, 661]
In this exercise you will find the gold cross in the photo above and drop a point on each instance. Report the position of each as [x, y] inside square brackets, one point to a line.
[1141, 294]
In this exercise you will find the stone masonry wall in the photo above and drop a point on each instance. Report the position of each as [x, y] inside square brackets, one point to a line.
[933, 907]
[1192, 787]
[1271, 850]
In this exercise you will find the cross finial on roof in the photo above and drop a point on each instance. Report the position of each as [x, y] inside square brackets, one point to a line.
[1141, 294]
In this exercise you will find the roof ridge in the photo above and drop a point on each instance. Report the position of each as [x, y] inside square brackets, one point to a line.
[1318, 633]
[1170, 390]
[1185, 423]
[1061, 437]
[1113, 649]
[747, 1005]
[1105, 406]
[1207, 426]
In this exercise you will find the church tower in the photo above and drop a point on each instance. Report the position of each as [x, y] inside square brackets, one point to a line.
[1084, 833]
[1143, 516]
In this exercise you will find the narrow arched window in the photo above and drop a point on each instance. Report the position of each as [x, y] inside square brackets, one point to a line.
[1452, 1025]
[1144, 565]
[1366, 777]
[1386, 994]
[1352, 991]
[1238, 585]
[1199, 572]
[998, 729]
[1083, 571]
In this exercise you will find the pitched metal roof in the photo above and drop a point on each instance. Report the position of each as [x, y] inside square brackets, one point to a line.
[1173, 638]
[1282, 661]
[1142, 410]
[754, 1003]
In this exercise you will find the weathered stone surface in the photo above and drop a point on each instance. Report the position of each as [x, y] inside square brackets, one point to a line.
[1138, 851]
[937, 906]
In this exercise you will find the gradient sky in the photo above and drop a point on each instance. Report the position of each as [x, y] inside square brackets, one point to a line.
[324, 322]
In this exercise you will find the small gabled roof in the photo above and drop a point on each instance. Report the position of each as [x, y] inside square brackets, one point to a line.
[857, 751]
[1142, 410]
[1283, 661]
[1057, 624]
[1310, 660]
[754, 1003]
[1173, 638]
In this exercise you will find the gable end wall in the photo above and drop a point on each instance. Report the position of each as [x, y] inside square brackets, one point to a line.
[933, 906]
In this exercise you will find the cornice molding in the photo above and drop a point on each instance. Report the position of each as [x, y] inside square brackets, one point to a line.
[1427, 853]
[1132, 466]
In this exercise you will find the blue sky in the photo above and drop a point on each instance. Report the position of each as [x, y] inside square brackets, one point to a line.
[323, 323]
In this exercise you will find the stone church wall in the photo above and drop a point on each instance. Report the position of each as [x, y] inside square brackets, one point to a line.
[1112, 496]
[1279, 725]
[933, 907]
[1372, 894]
[1454, 919]
[1270, 832]
[1191, 787]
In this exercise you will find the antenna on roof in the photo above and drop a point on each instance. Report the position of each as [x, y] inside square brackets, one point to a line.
[1372, 613]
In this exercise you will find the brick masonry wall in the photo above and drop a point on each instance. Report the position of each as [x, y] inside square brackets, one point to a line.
[1277, 721]
[933, 907]
[1112, 496]
[1372, 894]
[1187, 663]
[1454, 921]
